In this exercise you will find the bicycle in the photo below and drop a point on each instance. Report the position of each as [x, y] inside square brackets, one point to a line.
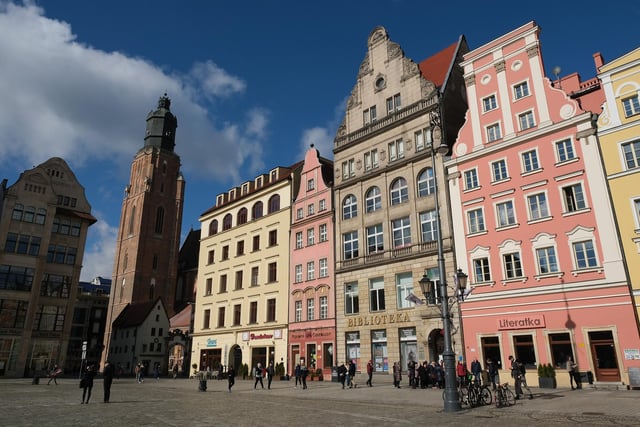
[479, 395]
[504, 396]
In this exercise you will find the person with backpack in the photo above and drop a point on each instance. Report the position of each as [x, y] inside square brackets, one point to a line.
[517, 368]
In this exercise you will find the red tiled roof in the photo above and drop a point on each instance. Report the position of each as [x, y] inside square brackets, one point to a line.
[436, 67]
[134, 314]
[182, 320]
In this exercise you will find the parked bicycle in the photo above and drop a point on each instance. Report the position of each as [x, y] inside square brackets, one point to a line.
[504, 396]
[479, 395]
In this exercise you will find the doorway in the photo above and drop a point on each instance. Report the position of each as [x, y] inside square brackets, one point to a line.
[605, 356]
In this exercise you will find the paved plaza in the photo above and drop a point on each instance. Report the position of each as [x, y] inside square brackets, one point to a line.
[168, 402]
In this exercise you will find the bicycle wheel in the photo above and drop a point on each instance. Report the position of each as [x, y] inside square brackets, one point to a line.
[510, 398]
[499, 397]
[464, 396]
[486, 397]
[474, 397]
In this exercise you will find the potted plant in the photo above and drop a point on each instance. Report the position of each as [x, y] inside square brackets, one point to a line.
[320, 375]
[546, 376]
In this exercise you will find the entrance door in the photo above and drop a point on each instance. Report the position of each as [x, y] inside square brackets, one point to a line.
[605, 359]
[237, 358]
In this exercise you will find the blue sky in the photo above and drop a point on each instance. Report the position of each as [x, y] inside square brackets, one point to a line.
[253, 83]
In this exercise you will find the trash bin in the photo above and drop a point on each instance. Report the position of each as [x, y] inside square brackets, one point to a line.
[334, 374]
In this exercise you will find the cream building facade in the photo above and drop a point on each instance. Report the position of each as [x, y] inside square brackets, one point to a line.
[241, 312]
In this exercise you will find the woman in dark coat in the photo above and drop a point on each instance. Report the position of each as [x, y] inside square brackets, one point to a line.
[86, 383]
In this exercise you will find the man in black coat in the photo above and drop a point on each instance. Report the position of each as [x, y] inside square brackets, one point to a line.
[342, 373]
[108, 373]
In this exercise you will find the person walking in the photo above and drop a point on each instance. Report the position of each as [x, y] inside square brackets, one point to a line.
[397, 374]
[492, 371]
[231, 375]
[351, 374]
[156, 371]
[86, 383]
[516, 374]
[53, 375]
[370, 373]
[270, 373]
[571, 369]
[297, 373]
[304, 371]
[476, 370]
[175, 371]
[342, 374]
[108, 373]
[258, 375]
[139, 375]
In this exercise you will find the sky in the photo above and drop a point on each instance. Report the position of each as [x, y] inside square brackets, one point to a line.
[252, 82]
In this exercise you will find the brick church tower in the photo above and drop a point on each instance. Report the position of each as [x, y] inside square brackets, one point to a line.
[148, 240]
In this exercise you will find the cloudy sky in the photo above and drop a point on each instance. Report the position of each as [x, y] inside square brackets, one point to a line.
[253, 83]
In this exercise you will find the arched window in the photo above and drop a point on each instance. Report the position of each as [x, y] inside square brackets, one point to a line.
[256, 210]
[213, 227]
[274, 203]
[242, 216]
[426, 182]
[349, 207]
[18, 210]
[226, 222]
[159, 220]
[152, 288]
[399, 191]
[132, 218]
[373, 199]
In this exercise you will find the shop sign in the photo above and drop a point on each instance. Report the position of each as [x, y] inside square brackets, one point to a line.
[521, 322]
[211, 342]
[260, 336]
[378, 319]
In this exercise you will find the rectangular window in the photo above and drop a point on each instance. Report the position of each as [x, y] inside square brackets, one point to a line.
[255, 275]
[493, 132]
[238, 280]
[404, 288]
[631, 106]
[298, 273]
[273, 237]
[491, 349]
[311, 309]
[521, 90]
[323, 233]
[240, 248]
[376, 294]
[585, 255]
[428, 226]
[211, 257]
[351, 298]
[311, 209]
[369, 115]
[223, 283]
[547, 262]
[298, 308]
[489, 103]
[396, 150]
[311, 270]
[525, 351]
[350, 245]
[273, 269]
[499, 170]
[299, 213]
[221, 311]
[422, 139]
[530, 161]
[371, 159]
[348, 169]
[561, 349]
[481, 270]
[324, 267]
[271, 310]
[564, 150]
[375, 241]
[253, 312]
[256, 243]
[471, 179]
[512, 265]
[526, 120]
[237, 314]
[475, 221]
[311, 184]
[401, 229]
[636, 213]
[505, 213]
[209, 286]
[324, 307]
[631, 151]
[225, 253]
[299, 240]
[573, 198]
[206, 319]
[537, 206]
[311, 236]
[322, 205]
[393, 103]
[11, 242]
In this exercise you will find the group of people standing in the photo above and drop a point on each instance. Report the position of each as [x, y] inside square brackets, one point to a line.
[86, 381]
[421, 375]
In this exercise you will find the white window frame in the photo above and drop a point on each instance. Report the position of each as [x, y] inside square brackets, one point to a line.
[373, 199]
[323, 267]
[499, 170]
[505, 214]
[376, 294]
[349, 207]
[322, 205]
[547, 256]
[399, 191]
[324, 307]
[299, 241]
[489, 103]
[298, 273]
[298, 309]
[565, 151]
[401, 232]
[348, 169]
[299, 213]
[493, 132]
[521, 90]
[350, 248]
[428, 226]
[475, 221]
[311, 270]
[573, 198]
[323, 232]
[526, 120]
[481, 269]
[396, 150]
[426, 182]
[537, 210]
[530, 161]
[311, 236]
[311, 309]
[471, 181]
[512, 265]
[404, 288]
[578, 247]
[371, 159]
[631, 105]
[311, 209]
[375, 238]
[631, 154]
[351, 298]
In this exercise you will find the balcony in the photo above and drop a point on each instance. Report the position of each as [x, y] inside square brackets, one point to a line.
[391, 255]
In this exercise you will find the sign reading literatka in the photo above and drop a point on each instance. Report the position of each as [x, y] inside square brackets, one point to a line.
[528, 321]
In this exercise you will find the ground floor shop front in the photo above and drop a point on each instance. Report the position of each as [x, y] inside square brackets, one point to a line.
[313, 347]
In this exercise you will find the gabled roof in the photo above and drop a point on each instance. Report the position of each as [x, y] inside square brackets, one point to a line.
[182, 320]
[135, 314]
[437, 68]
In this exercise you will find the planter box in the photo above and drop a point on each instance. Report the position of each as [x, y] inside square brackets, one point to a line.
[547, 382]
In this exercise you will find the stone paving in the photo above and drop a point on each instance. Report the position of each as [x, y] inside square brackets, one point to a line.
[168, 402]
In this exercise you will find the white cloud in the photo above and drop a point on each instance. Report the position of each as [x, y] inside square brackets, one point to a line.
[322, 136]
[215, 81]
[98, 256]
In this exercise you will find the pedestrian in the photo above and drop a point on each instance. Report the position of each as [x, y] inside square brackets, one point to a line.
[270, 372]
[571, 369]
[175, 371]
[258, 375]
[476, 370]
[492, 370]
[516, 374]
[156, 370]
[397, 374]
[351, 373]
[231, 375]
[370, 373]
[411, 373]
[461, 372]
[297, 373]
[86, 383]
[53, 375]
[342, 374]
[138, 371]
[304, 371]
[107, 373]
[423, 374]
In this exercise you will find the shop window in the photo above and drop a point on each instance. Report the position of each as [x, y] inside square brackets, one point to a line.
[525, 351]
[491, 350]
[560, 346]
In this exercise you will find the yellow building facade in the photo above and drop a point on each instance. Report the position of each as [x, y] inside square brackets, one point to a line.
[619, 135]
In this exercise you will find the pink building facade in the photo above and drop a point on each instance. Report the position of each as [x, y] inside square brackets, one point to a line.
[539, 240]
[312, 319]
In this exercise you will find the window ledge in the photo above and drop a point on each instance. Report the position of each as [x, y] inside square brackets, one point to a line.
[555, 274]
[567, 162]
[491, 283]
[508, 227]
[501, 181]
[531, 172]
[543, 219]
[522, 279]
[477, 233]
[470, 190]
[587, 270]
[576, 212]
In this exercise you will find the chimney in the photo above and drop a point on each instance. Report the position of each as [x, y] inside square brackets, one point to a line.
[598, 60]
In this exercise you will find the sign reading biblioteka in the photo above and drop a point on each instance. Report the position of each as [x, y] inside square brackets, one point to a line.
[528, 321]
